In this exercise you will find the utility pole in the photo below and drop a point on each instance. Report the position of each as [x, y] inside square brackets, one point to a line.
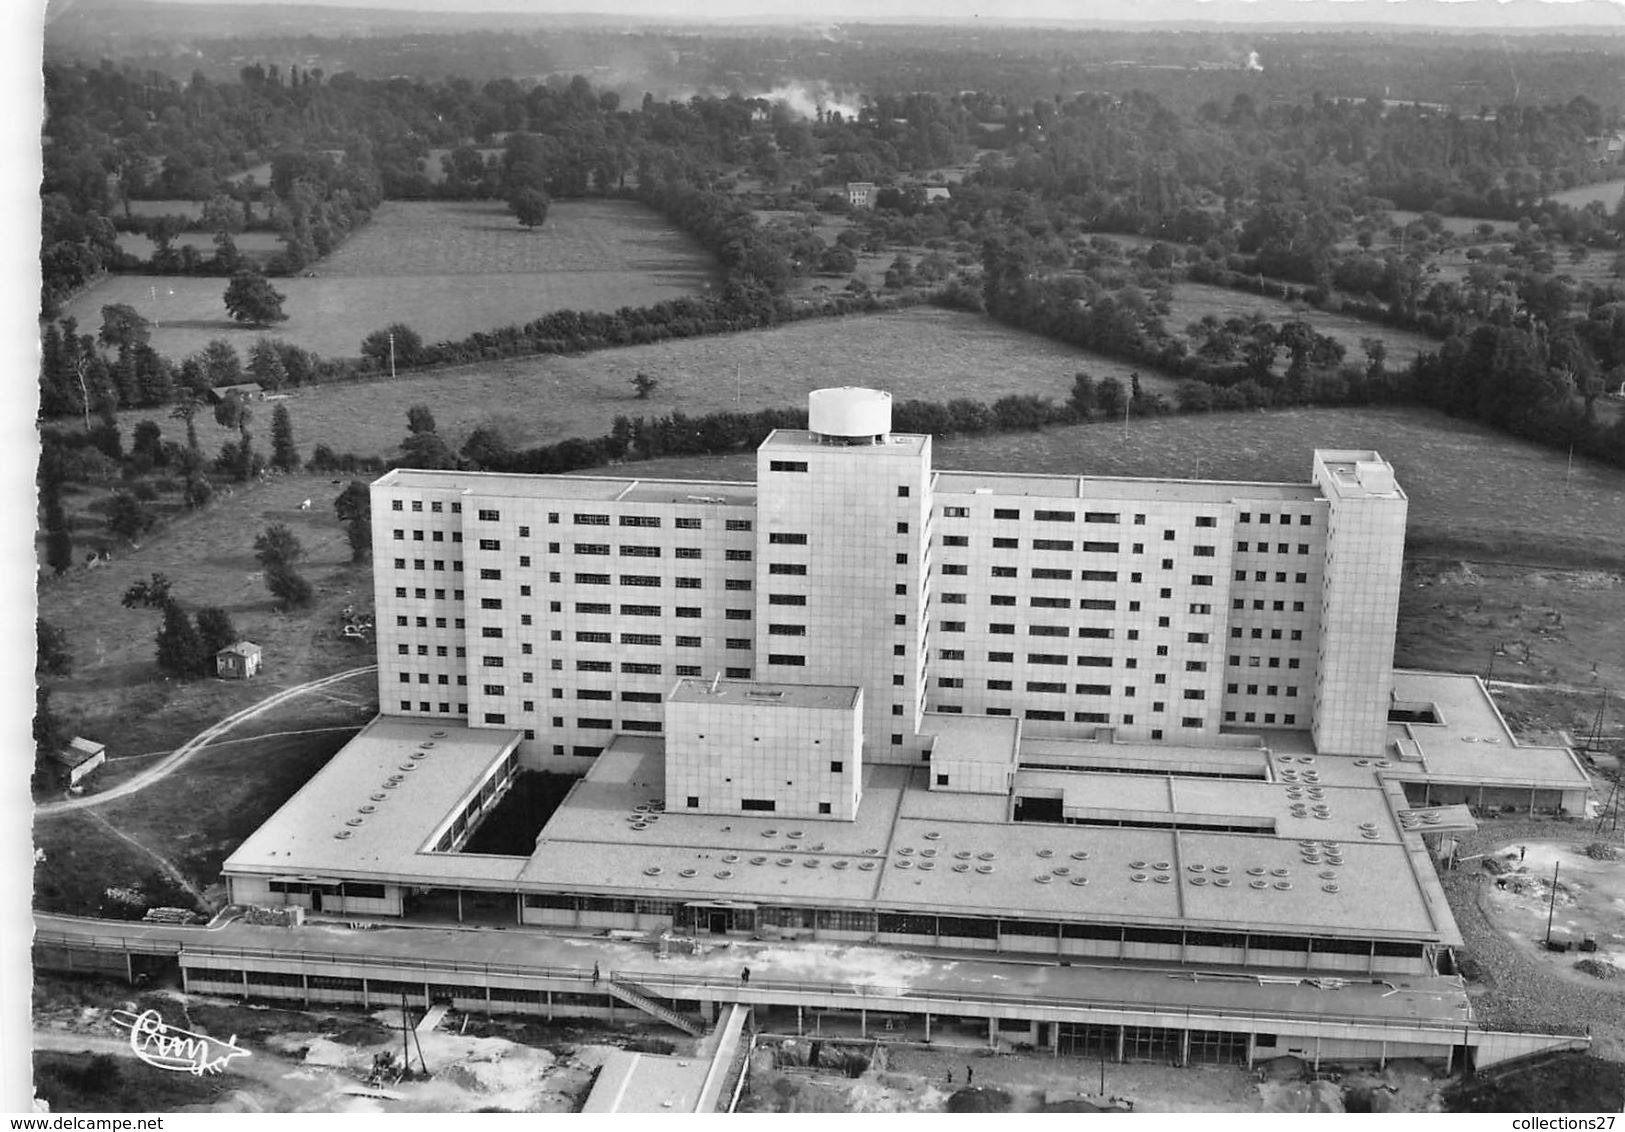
[1551, 907]
[392, 355]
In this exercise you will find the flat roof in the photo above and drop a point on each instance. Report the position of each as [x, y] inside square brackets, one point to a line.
[1119, 488]
[972, 738]
[604, 489]
[915, 849]
[1238, 755]
[1432, 1000]
[388, 791]
[762, 693]
[1471, 742]
[892, 443]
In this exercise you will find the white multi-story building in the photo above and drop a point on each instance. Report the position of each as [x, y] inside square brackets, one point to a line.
[1064, 719]
[567, 606]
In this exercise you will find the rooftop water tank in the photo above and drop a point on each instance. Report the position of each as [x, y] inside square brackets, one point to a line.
[849, 413]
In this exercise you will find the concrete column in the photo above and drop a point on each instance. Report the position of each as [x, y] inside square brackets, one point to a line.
[245, 984]
[992, 1033]
[549, 1005]
[927, 1024]
[459, 905]
[129, 968]
[1382, 1055]
[863, 1022]
[1120, 1032]
[798, 1020]
[304, 981]
[1055, 1039]
[1184, 1047]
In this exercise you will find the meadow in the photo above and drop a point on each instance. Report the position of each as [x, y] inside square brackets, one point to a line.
[1608, 192]
[1472, 490]
[923, 352]
[116, 691]
[444, 268]
[1193, 301]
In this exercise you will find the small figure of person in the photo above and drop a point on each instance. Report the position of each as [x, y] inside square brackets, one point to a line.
[950, 1076]
[970, 1075]
[744, 975]
[1522, 849]
[596, 974]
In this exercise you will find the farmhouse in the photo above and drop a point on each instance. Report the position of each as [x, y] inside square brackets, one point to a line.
[1060, 719]
[80, 758]
[240, 661]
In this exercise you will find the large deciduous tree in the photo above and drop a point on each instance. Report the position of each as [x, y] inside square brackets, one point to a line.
[250, 298]
[529, 207]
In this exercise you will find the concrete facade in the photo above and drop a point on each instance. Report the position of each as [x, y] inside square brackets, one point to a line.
[566, 606]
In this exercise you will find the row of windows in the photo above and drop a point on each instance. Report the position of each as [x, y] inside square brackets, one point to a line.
[1286, 520]
[423, 622]
[1258, 634]
[594, 637]
[1043, 516]
[434, 505]
[1264, 547]
[1235, 661]
[439, 564]
[435, 536]
[633, 668]
[686, 523]
[1264, 576]
[1290, 691]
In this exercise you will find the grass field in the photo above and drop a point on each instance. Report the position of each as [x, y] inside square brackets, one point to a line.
[1472, 490]
[922, 353]
[260, 245]
[1194, 301]
[195, 818]
[116, 692]
[1608, 192]
[446, 269]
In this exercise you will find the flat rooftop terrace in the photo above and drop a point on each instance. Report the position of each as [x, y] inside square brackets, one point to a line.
[762, 693]
[1109, 488]
[912, 849]
[604, 489]
[1432, 1001]
[374, 807]
[790, 439]
[1471, 743]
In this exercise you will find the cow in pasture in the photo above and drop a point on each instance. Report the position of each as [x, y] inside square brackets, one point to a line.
[305, 506]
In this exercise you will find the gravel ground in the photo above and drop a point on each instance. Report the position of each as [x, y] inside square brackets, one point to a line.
[1510, 992]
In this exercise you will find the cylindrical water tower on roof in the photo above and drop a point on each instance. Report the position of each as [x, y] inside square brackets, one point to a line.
[849, 415]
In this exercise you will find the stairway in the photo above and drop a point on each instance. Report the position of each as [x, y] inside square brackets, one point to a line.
[634, 995]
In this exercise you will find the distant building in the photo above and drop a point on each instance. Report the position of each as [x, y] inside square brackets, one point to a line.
[247, 390]
[80, 758]
[860, 194]
[240, 661]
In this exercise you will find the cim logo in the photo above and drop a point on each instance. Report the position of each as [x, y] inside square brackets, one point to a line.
[168, 1047]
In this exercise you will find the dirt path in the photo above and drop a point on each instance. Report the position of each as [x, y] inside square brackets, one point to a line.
[164, 863]
[182, 754]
